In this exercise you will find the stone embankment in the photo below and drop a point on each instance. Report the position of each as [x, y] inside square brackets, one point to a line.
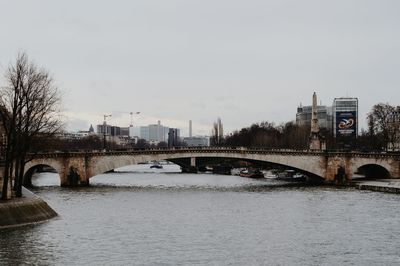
[26, 210]
[382, 185]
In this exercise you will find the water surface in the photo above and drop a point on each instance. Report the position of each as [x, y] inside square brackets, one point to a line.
[139, 216]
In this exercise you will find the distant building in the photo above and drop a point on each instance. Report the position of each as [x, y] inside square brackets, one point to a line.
[103, 129]
[345, 118]
[115, 131]
[73, 135]
[345, 122]
[173, 137]
[125, 140]
[134, 132]
[124, 131]
[144, 133]
[324, 115]
[197, 141]
[154, 133]
[119, 135]
[394, 127]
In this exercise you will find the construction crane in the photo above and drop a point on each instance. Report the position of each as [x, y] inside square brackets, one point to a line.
[131, 113]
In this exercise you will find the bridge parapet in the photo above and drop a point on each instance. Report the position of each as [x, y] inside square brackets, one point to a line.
[58, 154]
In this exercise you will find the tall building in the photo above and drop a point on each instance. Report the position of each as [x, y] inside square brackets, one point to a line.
[324, 115]
[103, 129]
[134, 132]
[394, 128]
[144, 133]
[154, 133]
[114, 131]
[173, 137]
[345, 118]
[190, 128]
[125, 131]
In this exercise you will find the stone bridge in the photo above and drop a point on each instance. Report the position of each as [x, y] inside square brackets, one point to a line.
[76, 168]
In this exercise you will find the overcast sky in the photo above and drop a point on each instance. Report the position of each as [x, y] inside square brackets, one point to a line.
[175, 60]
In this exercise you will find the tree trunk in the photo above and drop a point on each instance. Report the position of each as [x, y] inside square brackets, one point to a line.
[4, 191]
[20, 175]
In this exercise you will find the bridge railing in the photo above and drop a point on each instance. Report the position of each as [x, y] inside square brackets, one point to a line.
[257, 150]
[72, 153]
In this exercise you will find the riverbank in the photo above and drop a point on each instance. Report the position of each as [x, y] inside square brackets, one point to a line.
[23, 211]
[380, 185]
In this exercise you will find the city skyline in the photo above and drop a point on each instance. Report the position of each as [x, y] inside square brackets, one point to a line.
[176, 61]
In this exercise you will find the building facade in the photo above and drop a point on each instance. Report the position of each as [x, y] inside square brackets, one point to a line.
[103, 129]
[324, 115]
[197, 141]
[154, 133]
[345, 122]
[394, 130]
[345, 118]
[173, 137]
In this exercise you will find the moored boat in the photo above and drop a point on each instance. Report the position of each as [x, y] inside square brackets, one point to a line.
[291, 175]
[156, 166]
[251, 173]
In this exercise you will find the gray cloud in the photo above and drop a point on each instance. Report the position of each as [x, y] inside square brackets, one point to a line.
[244, 61]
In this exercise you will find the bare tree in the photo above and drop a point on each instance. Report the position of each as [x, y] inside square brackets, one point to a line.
[379, 123]
[29, 107]
[217, 133]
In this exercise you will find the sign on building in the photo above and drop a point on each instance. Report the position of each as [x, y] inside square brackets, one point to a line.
[346, 124]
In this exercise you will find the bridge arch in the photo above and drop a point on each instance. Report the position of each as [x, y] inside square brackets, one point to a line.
[374, 171]
[309, 164]
[27, 180]
[373, 166]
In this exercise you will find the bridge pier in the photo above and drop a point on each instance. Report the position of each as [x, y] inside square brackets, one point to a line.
[338, 169]
[74, 178]
[75, 172]
[192, 168]
[193, 161]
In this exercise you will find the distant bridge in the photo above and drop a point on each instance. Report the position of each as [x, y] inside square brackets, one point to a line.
[76, 168]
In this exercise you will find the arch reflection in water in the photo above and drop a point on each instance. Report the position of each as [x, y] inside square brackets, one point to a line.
[141, 176]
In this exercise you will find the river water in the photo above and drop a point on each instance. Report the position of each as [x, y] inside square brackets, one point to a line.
[139, 216]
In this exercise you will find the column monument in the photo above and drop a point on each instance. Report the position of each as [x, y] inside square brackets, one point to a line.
[316, 142]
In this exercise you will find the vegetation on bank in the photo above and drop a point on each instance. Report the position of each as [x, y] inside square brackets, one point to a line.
[382, 133]
[29, 107]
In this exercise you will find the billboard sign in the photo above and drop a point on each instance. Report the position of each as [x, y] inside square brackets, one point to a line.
[346, 124]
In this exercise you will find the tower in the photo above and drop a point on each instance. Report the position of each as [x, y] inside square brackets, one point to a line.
[316, 144]
[190, 128]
